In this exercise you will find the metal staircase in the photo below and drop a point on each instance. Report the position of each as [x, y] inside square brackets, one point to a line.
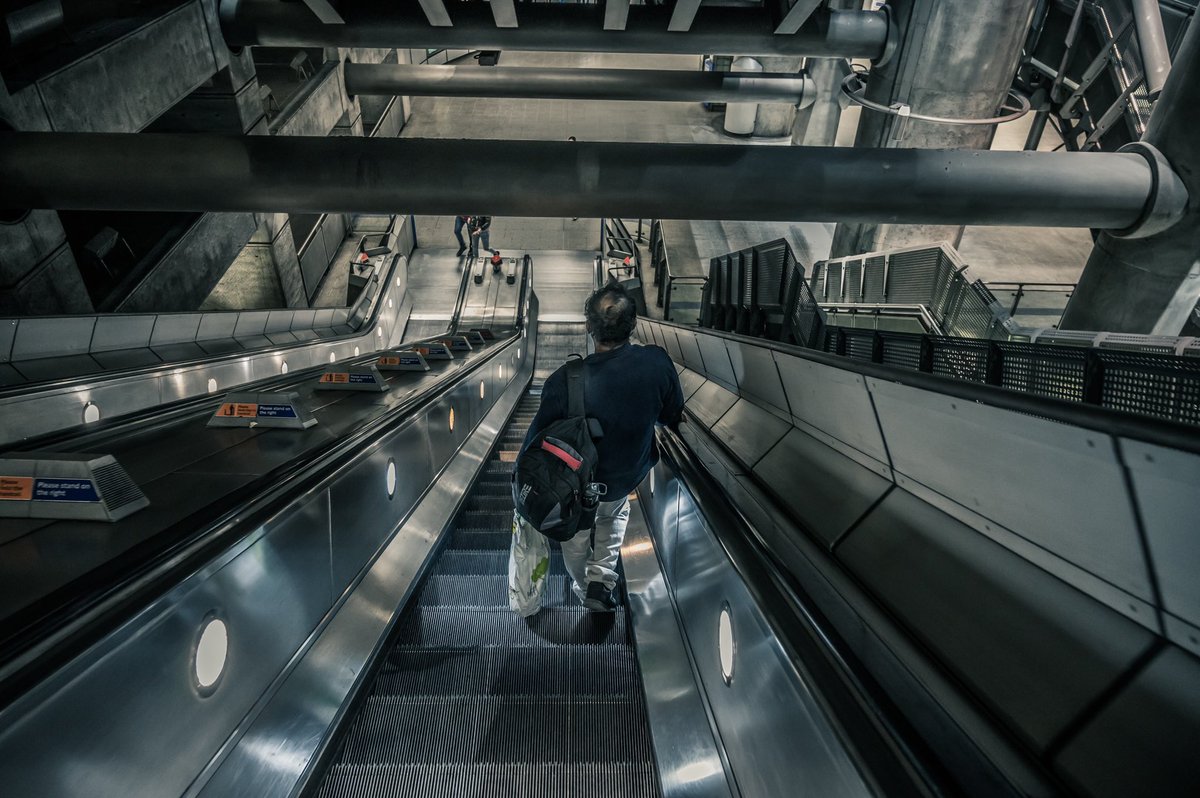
[475, 701]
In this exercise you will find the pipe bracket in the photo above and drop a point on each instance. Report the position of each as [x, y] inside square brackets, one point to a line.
[1168, 198]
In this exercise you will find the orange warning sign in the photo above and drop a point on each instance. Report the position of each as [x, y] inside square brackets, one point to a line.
[238, 410]
[338, 377]
[389, 361]
[16, 489]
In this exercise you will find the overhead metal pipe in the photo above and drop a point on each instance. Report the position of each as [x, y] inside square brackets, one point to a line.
[1152, 41]
[573, 28]
[173, 172]
[576, 84]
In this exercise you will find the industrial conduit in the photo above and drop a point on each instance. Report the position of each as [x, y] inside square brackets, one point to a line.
[193, 172]
[650, 85]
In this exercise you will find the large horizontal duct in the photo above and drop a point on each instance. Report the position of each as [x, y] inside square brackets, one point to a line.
[173, 172]
[657, 85]
[573, 28]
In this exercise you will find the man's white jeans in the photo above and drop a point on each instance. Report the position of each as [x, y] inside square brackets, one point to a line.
[591, 559]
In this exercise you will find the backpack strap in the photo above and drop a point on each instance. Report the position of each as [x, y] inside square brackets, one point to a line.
[576, 385]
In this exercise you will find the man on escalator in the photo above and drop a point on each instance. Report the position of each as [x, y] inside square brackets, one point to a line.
[629, 389]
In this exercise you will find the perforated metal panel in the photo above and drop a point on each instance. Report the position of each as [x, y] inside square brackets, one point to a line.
[962, 359]
[901, 350]
[860, 344]
[1155, 385]
[1055, 371]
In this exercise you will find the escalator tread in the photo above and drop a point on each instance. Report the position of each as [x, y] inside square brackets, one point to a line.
[473, 700]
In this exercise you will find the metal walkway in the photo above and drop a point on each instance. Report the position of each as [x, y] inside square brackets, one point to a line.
[476, 701]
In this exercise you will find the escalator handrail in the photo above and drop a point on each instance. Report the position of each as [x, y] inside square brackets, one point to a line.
[463, 287]
[42, 644]
[66, 383]
[895, 760]
[149, 417]
[1160, 432]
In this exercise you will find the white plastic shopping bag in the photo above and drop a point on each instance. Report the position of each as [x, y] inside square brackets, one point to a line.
[528, 564]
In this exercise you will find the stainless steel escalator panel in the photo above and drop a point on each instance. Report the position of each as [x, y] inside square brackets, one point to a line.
[1075, 516]
[275, 590]
[689, 761]
[119, 710]
[774, 732]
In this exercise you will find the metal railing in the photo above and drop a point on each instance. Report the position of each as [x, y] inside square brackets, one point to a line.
[976, 339]
[1038, 305]
[761, 291]
[934, 277]
[681, 298]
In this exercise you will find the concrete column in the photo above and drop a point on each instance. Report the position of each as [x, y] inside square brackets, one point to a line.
[777, 119]
[956, 59]
[1152, 284]
[817, 125]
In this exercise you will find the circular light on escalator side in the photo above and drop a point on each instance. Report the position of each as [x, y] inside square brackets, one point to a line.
[390, 303]
[283, 368]
[332, 357]
[391, 478]
[726, 647]
[212, 385]
[91, 413]
[481, 391]
[356, 351]
[210, 655]
[452, 419]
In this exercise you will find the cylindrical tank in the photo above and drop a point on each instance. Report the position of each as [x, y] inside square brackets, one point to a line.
[739, 117]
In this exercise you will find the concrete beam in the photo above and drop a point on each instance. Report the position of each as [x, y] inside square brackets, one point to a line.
[683, 15]
[436, 13]
[553, 178]
[504, 13]
[797, 15]
[616, 14]
[572, 28]
[576, 84]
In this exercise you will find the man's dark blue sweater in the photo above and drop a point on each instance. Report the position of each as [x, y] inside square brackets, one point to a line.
[629, 389]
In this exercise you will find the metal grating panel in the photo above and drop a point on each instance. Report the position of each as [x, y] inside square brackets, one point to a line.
[962, 359]
[770, 263]
[1166, 386]
[116, 486]
[860, 344]
[873, 288]
[1054, 371]
[902, 350]
[912, 276]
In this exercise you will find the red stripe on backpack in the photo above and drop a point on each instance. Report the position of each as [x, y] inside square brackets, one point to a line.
[573, 462]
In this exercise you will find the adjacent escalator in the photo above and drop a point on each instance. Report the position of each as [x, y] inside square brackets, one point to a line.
[473, 700]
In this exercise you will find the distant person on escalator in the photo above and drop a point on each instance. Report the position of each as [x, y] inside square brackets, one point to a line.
[480, 228]
[629, 389]
[459, 223]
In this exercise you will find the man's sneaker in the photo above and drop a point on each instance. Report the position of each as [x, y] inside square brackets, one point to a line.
[599, 598]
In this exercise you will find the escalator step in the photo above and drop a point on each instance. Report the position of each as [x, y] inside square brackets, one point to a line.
[475, 728]
[477, 503]
[471, 627]
[636, 780]
[465, 561]
[489, 538]
[499, 518]
[579, 671]
[489, 591]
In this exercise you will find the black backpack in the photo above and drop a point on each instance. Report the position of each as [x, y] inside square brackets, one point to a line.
[552, 487]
